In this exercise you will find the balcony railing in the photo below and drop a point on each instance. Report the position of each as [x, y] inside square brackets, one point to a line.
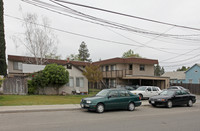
[116, 73]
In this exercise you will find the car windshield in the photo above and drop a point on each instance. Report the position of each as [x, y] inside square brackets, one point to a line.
[141, 88]
[167, 93]
[102, 93]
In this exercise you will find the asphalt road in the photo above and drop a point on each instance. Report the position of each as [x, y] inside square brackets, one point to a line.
[144, 118]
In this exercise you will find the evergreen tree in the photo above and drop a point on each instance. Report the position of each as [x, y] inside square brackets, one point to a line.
[158, 71]
[3, 66]
[84, 52]
[130, 53]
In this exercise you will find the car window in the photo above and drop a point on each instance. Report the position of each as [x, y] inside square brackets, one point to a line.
[149, 88]
[154, 89]
[178, 92]
[173, 87]
[113, 94]
[184, 92]
[123, 93]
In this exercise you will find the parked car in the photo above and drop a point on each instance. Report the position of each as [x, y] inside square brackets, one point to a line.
[130, 88]
[109, 99]
[173, 97]
[147, 91]
[177, 87]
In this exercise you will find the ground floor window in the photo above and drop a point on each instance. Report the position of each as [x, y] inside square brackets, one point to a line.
[79, 81]
[71, 82]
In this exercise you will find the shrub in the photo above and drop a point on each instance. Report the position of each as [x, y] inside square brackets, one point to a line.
[32, 90]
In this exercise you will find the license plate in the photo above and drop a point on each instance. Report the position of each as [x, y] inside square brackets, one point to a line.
[86, 105]
[152, 102]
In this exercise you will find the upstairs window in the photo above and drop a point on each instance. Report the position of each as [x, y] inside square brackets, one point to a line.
[17, 65]
[69, 66]
[142, 68]
[112, 67]
[107, 68]
[130, 67]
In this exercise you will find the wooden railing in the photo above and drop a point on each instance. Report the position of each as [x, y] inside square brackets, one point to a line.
[116, 73]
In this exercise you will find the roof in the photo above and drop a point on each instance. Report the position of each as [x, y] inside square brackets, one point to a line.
[193, 66]
[175, 75]
[126, 61]
[31, 60]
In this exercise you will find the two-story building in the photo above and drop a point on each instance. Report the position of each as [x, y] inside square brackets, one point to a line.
[131, 71]
[22, 66]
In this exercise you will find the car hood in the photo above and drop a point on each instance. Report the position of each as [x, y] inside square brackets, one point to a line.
[160, 97]
[93, 98]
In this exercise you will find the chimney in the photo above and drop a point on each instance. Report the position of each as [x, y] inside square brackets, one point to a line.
[67, 60]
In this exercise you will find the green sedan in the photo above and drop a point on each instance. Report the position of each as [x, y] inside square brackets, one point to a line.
[109, 99]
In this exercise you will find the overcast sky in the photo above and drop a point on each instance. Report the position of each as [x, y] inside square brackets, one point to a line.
[171, 53]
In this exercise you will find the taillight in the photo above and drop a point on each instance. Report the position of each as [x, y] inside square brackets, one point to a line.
[139, 97]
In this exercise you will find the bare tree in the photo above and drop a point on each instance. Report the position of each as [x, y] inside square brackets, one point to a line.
[38, 39]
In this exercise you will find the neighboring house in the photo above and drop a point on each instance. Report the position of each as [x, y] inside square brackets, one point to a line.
[22, 66]
[131, 71]
[192, 75]
[176, 77]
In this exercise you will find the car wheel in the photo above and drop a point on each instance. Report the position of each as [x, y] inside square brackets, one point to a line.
[131, 106]
[169, 104]
[190, 103]
[141, 96]
[100, 108]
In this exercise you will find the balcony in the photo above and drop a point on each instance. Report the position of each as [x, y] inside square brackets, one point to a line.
[116, 73]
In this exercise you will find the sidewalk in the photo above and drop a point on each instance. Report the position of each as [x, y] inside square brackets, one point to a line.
[37, 108]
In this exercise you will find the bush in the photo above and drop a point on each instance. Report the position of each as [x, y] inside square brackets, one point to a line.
[32, 90]
[1, 81]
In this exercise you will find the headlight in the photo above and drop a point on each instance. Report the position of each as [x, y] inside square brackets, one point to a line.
[88, 102]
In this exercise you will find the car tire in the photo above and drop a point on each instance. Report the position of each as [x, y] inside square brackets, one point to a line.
[100, 108]
[131, 106]
[141, 96]
[190, 103]
[169, 104]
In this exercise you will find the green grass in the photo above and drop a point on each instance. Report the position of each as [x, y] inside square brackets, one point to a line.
[16, 100]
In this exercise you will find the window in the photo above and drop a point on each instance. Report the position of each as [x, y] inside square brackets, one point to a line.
[113, 94]
[69, 66]
[178, 92]
[102, 68]
[17, 65]
[184, 92]
[149, 89]
[79, 81]
[130, 67]
[142, 67]
[107, 68]
[71, 82]
[154, 89]
[123, 93]
[112, 67]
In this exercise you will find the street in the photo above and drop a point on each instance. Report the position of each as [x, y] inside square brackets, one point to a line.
[144, 118]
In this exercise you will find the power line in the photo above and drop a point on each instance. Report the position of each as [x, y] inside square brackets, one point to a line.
[127, 15]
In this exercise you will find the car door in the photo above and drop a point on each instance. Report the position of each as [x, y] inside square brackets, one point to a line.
[124, 98]
[177, 99]
[155, 91]
[185, 96]
[148, 92]
[113, 100]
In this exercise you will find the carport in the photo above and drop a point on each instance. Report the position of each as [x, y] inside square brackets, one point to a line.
[162, 82]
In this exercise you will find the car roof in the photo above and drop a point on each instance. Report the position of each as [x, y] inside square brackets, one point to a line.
[112, 89]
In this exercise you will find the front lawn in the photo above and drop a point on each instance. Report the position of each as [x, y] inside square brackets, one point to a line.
[15, 100]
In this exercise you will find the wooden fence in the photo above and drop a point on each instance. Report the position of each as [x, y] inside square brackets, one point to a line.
[193, 88]
[15, 86]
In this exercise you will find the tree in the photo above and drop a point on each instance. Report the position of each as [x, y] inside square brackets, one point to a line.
[83, 52]
[158, 71]
[52, 75]
[38, 39]
[53, 56]
[130, 53]
[74, 57]
[93, 73]
[3, 66]
[183, 68]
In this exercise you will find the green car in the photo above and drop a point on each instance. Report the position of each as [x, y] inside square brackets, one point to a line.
[109, 99]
